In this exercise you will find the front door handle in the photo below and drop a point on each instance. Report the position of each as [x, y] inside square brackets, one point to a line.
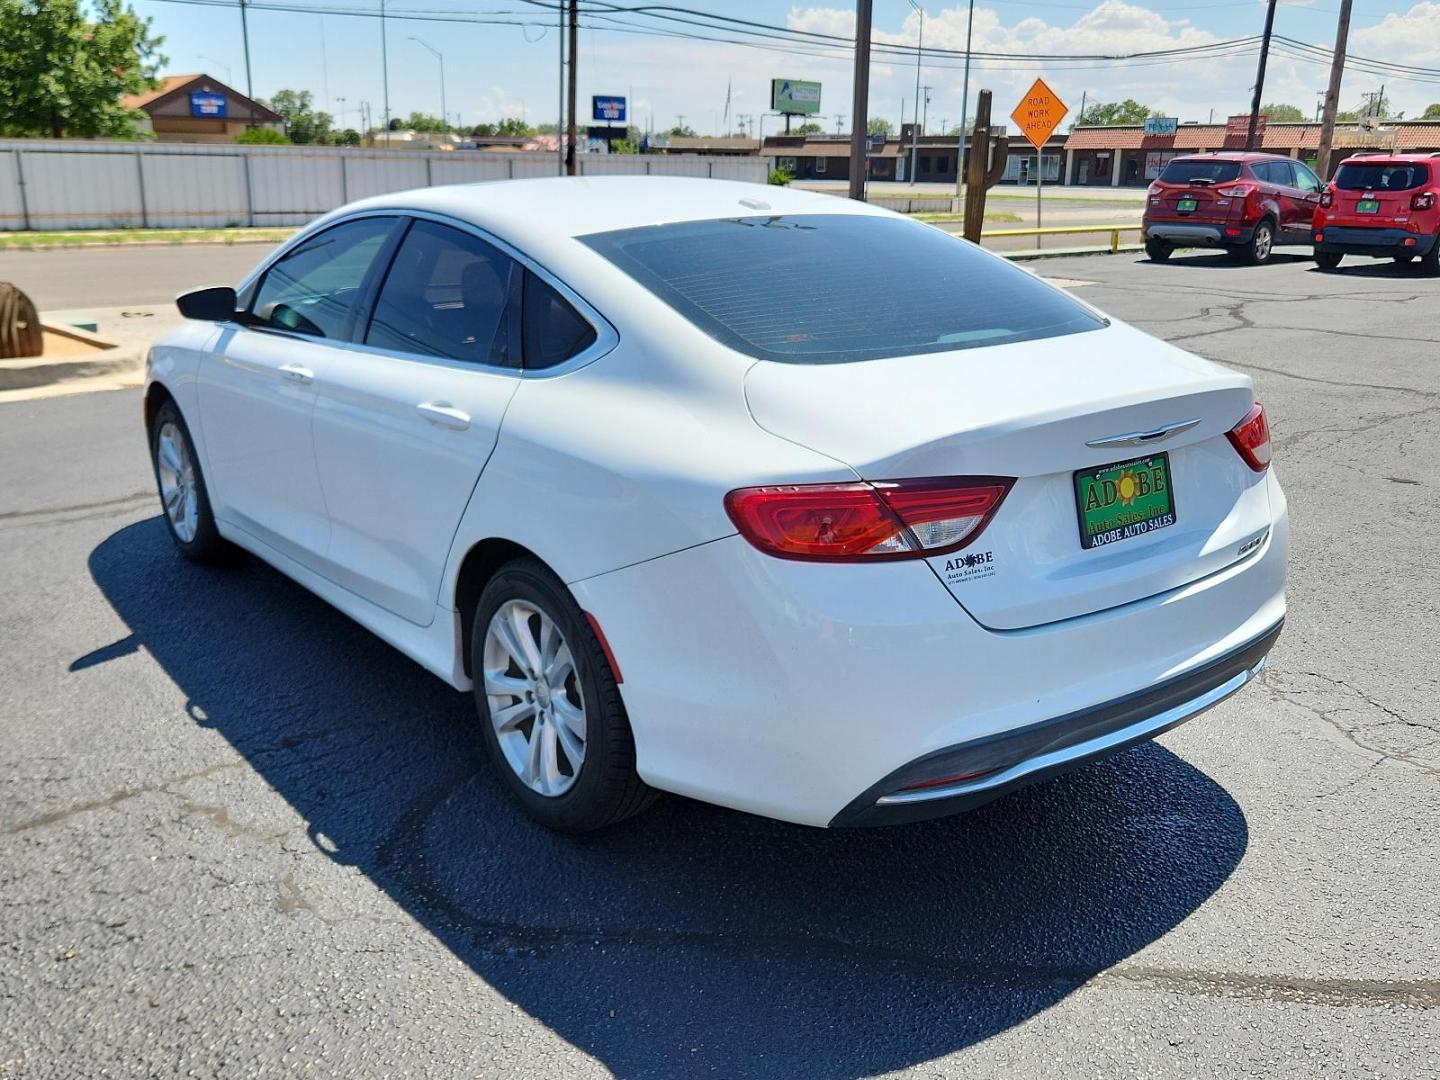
[443, 414]
[295, 373]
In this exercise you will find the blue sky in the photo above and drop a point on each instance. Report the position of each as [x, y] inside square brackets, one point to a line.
[502, 70]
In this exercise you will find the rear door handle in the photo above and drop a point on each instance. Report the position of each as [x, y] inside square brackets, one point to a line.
[443, 414]
[295, 373]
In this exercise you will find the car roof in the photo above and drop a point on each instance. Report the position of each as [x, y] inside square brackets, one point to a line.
[1231, 155]
[1376, 158]
[571, 206]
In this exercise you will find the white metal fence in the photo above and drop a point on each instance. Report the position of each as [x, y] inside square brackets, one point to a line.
[67, 184]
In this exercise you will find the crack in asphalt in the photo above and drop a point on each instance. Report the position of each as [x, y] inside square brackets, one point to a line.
[115, 798]
[78, 508]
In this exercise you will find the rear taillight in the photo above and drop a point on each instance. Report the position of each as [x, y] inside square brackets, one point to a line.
[1327, 198]
[1251, 438]
[867, 522]
[1423, 201]
[1236, 191]
[1155, 188]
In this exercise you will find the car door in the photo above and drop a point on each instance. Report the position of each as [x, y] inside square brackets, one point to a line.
[405, 419]
[257, 391]
[1308, 188]
[1294, 215]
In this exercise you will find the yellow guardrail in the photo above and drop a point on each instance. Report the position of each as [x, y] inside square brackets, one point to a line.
[1067, 230]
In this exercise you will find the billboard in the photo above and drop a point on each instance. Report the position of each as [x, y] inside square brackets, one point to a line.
[207, 103]
[794, 97]
[1162, 125]
[607, 107]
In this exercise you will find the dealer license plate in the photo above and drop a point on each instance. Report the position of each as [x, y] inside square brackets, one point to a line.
[1187, 204]
[1367, 206]
[1121, 501]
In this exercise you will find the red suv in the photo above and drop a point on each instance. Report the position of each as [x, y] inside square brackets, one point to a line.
[1246, 203]
[1382, 205]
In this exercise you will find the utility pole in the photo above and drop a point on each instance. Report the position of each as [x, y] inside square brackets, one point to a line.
[915, 119]
[560, 97]
[249, 83]
[860, 111]
[1260, 76]
[385, 72]
[960, 171]
[1332, 93]
[570, 162]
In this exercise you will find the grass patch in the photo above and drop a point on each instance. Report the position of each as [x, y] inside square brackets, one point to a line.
[998, 217]
[44, 241]
[1013, 196]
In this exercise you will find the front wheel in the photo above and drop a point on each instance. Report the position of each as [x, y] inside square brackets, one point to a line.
[550, 711]
[1159, 250]
[1262, 243]
[1327, 260]
[183, 494]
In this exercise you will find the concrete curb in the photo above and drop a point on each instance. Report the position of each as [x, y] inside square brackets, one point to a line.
[37, 371]
[1062, 253]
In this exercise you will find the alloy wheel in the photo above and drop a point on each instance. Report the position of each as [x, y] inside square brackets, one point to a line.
[1264, 241]
[535, 702]
[177, 481]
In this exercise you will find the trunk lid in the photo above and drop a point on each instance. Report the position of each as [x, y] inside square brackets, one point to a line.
[1204, 203]
[1028, 410]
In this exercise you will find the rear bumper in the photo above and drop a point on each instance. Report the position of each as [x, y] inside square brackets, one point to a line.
[1377, 242]
[1013, 759]
[788, 689]
[1197, 234]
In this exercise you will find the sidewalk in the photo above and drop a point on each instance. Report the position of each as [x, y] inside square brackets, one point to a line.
[79, 359]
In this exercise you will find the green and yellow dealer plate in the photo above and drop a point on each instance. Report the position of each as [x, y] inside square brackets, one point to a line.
[1118, 502]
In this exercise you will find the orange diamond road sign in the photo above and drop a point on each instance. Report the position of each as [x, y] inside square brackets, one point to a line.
[1039, 113]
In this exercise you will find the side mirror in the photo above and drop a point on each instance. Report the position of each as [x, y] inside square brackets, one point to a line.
[214, 304]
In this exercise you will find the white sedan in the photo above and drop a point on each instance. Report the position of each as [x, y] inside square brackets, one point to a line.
[771, 499]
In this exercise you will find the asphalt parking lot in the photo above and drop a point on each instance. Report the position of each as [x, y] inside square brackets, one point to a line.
[238, 833]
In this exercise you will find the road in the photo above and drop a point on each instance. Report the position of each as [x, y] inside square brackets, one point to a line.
[105, 277]
[239, 833]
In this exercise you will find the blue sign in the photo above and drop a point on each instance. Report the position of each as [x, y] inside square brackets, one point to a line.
[876, 141]
[207, 103]
[609, 109]
[1162, 125]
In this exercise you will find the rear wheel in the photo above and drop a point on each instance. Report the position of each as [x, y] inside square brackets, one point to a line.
[1430, 261]
[1262, 243]
[1327, 260]
[550, 711]
[1159, 250]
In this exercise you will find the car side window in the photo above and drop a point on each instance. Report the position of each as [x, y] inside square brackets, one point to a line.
[315, 287]
[447, 294]
[1305, 180]
[1263, 172]
[553, 330]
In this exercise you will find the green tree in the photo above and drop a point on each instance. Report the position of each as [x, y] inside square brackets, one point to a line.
[682, 131]
[1108, 113]
[515, 128]
[809, 128]
[878, 125]
[1432, 111]
[348, 137]
[263, 136]
[1279, 113]
[303, 123]
[63, 74]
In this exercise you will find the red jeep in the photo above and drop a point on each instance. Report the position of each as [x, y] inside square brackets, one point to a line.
[1383, 205]
[1246, 203]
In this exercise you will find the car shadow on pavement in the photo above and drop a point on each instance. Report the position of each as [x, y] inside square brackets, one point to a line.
[691, 941]
[1203, 259]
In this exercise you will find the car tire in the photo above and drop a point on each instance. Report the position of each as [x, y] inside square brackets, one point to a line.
[1430, 261]
[1261, 245]
[1159, 250]
[569, 780]
[1327, 260]
[184, 496]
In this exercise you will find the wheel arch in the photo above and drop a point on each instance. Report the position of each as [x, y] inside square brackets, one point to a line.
[480, 563]
[156, 395]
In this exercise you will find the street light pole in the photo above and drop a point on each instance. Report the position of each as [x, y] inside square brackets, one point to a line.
[385, 72]
[964, 106]
[915, 120]
[444, 113]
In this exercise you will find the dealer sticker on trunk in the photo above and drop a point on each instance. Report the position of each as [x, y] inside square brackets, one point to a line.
[1117, 502]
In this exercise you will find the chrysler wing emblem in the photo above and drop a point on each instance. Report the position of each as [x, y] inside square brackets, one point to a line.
[1142, 438]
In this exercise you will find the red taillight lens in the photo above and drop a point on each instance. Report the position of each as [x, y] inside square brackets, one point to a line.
[1251, 438]
[1155, 188]
[1423, 201]
[864, 522]
[1327, 198]
[1236, 191]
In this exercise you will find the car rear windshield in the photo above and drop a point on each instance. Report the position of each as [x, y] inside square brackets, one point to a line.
[835, 288]
[1214, 172]
[1381, 176]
